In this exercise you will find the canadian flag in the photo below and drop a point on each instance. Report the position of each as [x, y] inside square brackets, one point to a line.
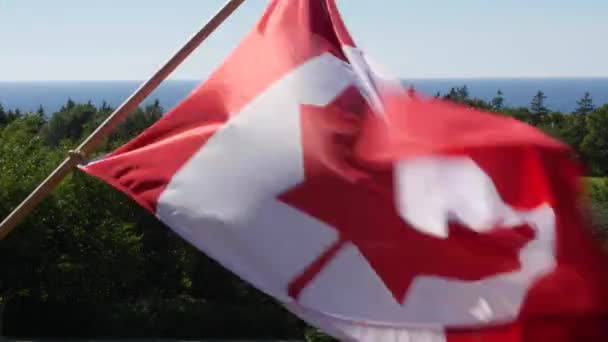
[371, 213]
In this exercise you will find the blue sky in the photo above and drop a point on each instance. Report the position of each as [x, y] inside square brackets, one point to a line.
[129, 39]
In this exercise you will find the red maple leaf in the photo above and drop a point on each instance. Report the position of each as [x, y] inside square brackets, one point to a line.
[359, 203]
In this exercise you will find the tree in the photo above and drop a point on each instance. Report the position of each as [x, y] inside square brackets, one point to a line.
[538, 108]
[478, 103]
[452, 94]
[573, 130]
[585, 105]
[69, 105]
[24, 160]
[87, 244]
[458, 94]
[105, 108]
[69, 123]
[461, 95]
[498, 101]
[3, 116]
[10, 116]
[154, 111]
[136, 122]
[463, 92]
[40, 111]
[595, 143]
[67, 251]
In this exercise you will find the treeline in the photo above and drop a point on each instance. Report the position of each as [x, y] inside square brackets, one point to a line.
[585, 129]
[89, 262]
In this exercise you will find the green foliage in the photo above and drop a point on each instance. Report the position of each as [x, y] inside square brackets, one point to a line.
[136, 122]
[315, 335]
[498, 102]
[595, 143]
[89, 262]
[598, 193]
[7, 116]
[519, 113]
[585, 105]
[538, 108]
[568, 128]
[460, 94]
[88, 254]
[151, 318]
[573, 130]
[3, 118]
[40, 111]
[69, 123]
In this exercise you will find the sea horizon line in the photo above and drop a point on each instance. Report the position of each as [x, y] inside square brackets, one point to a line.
[431, 78]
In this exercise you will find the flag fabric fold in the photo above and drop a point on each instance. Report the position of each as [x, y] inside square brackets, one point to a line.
[370, 213]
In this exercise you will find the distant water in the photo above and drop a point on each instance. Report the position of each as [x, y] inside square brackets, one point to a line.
[562, 93]
[28, 95]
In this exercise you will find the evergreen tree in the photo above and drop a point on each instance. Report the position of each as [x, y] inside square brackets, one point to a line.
[498, 101]
[452, 94]
[69, 105]
[10, 115]
[538, 108]
[105, 107]
[154, 111]
[463, 93]
[585, 105]
[40, 111]
[3, 116]
[458, 94]
[537, 105]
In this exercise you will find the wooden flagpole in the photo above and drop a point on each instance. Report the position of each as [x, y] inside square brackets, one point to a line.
[91, 142]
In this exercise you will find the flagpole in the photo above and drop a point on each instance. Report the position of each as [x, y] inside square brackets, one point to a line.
[93, 140]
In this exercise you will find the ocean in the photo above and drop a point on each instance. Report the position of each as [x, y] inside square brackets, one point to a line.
[562, 93]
